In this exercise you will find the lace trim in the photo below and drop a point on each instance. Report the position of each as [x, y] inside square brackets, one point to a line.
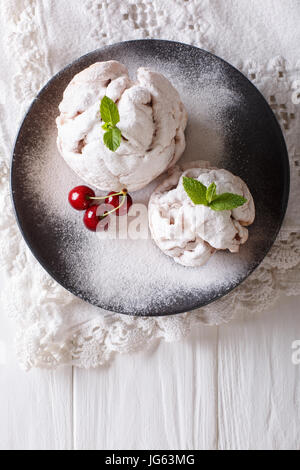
[145, 19]
[25, 43]
[53, 327]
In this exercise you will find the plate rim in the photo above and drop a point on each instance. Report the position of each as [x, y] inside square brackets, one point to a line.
[286, 183]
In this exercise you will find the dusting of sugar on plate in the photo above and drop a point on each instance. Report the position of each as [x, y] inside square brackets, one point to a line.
[134, 275]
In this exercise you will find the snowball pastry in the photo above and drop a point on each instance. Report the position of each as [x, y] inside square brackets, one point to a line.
[152, 122]
[191, 233]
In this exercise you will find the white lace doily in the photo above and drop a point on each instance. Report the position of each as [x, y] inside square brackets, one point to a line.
[52, 326]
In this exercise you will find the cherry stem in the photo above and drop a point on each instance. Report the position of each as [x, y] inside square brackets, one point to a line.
[116, 208]
[100, 198]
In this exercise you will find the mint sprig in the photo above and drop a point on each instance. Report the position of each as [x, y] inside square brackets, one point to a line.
[200, 194]
[227, 202]
[110, 116]
[112, 138]
[211, 192]
[195, 190]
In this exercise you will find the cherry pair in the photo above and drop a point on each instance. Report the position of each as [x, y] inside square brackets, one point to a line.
[82, 198]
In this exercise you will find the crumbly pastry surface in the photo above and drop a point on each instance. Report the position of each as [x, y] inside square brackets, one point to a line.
[192, 233]
[152, 122]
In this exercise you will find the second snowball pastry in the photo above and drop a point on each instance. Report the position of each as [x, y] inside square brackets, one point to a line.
[152, 123]
[191, 233]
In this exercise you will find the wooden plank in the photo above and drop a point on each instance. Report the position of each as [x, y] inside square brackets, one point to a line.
[35, 407]
[161, 399]
[259, 386]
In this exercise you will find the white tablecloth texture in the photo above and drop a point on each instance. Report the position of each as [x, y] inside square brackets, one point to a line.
[38, 38]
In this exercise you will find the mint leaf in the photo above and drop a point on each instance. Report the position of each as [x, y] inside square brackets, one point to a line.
[112, 139]
[200, 194]
[109, 111]
[195, 190]
[227, 202]
[110, 115]
[211, 192]
[106, 126]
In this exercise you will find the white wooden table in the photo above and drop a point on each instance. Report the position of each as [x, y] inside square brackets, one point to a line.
[228, 387]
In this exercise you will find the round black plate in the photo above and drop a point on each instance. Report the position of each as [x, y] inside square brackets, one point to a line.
[252, 147]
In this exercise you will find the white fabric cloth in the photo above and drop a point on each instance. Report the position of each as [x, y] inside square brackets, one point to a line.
[40, 37]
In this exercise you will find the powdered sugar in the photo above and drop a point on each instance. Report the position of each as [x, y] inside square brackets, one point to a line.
[152, 120]
[189, 233]
[52, 343]
[133, 275]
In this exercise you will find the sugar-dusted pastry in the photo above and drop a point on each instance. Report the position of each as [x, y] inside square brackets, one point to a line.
[152, 120]
[198, 210]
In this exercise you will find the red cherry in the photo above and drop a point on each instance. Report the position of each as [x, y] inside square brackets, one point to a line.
[115, 201]
[91, 219]
[79, 197]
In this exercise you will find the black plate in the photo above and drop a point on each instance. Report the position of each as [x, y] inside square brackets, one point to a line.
[253, 148]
